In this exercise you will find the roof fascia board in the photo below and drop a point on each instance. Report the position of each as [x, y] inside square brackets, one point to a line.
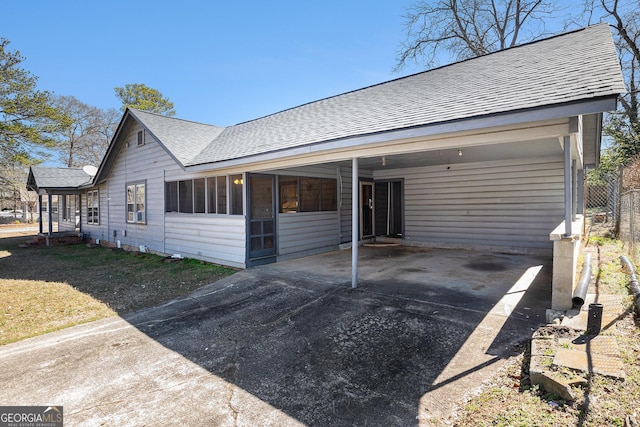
[481, 123]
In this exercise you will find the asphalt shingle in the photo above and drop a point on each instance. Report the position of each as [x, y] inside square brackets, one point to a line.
[577, 66]
[46, 177]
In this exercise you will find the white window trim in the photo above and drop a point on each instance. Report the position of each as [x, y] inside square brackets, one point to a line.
[139, 217]
[94, 207]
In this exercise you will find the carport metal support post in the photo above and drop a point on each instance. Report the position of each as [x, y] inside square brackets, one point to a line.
[568, 199]
[355, 209]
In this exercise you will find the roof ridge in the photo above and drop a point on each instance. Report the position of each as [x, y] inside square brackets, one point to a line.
[136, 110]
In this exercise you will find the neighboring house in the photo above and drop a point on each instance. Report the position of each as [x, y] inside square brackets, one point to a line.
[484, 153]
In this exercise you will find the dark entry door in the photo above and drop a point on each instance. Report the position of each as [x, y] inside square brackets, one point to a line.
[388, 208]
[366, 210]
[262, 224]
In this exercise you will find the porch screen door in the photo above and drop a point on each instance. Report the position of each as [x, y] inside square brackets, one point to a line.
[261, 216]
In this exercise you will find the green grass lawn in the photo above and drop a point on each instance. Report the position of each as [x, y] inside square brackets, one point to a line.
[43, 289]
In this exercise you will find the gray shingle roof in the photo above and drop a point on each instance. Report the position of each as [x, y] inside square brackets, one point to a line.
[184, 139]
[578, 66]
[575, 66]
[46, 177]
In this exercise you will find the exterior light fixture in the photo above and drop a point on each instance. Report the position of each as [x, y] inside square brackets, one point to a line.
[238, 181]
[384, 161]
[460, 153]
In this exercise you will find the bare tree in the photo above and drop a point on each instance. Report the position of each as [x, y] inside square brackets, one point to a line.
[623, 126]
[86, 138]
[463, 29]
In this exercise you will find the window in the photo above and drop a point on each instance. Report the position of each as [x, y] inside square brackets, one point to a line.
[136, 200]
[93, 207]
[140, 137]
[185, 196]
[66, 208]
[171, 196]
[288, 194]
[199, 195]
[222, 194]
[236, 183]
[303, 194]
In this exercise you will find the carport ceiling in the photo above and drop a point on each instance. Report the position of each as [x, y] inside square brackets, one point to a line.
[538, 148]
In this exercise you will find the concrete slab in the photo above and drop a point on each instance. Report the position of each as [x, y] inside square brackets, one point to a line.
[601, 344]
[292, 344]
[611, 310]
[590, 362]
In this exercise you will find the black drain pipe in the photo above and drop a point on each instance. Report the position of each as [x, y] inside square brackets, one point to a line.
[580, 292]
[634, 286]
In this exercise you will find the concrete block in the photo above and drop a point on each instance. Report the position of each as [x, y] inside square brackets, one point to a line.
[601, 344]
[543, 347]
[554, 383]
[590, 362]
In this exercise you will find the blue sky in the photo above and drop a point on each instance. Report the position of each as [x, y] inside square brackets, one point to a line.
[219, 62]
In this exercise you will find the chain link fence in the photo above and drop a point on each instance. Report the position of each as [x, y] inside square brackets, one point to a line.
[629, 223]
[613, 206]
[602, 201]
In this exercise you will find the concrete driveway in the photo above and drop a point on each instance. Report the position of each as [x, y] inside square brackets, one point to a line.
[293, 344]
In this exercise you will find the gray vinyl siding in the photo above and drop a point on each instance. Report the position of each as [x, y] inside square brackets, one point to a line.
[344, 203]
[215, 238]
[304, 233]
[146, 163]
[508, 203]
[68, 224]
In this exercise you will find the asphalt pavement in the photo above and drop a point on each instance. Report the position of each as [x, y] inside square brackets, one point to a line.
[293, 344]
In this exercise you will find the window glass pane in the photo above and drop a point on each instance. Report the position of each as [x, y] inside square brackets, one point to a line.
[171, 197]
[185, 195]
[131, 194]
[309, 194]
[211, 195]
[329, 200]
[236, 194]
[198, 195]
[288, 193]
[131, 191]
[222, 194]
[140, 197]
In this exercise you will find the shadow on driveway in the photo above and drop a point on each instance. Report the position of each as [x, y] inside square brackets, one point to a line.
[297, 336]
[424, 328]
